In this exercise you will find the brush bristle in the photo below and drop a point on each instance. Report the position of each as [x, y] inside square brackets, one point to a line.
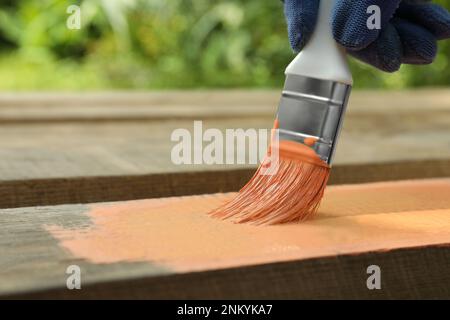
[292, 194]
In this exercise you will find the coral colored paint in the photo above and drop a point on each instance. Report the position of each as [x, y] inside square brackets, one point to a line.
[297, 170]
[290, 168]
[291, 193]
[177, 233]
[299, 152]
[276, 124]
[310, 141]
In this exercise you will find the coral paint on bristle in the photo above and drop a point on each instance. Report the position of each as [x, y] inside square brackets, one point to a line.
[292, 194]
[311, 110]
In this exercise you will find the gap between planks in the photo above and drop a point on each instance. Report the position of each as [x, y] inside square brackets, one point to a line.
[40, 192]
[170, 248]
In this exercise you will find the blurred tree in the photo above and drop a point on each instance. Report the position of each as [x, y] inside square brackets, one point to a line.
[164, 44]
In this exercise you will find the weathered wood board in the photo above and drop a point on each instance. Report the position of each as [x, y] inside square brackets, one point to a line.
[95, 147]
[68, 148]
[170, 248]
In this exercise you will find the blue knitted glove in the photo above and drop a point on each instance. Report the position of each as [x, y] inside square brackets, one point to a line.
[408, 34]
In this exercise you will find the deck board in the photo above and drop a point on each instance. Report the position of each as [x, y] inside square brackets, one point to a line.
[52, 145]
[66, 156]
[171, 243]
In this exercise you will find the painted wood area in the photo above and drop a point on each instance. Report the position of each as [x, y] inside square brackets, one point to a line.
[170, 248]
[69, 161]
[70, 148]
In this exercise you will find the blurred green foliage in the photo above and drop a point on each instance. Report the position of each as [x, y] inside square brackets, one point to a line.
[146, 44]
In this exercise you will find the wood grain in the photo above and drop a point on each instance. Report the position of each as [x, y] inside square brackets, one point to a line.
[400, 226]
[66, 148]
[91, 147]
[327, 278]
[138, 106]
[52, 191]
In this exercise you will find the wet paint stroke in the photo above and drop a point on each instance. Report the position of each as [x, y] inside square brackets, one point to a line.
[299, 171]
[178, 234]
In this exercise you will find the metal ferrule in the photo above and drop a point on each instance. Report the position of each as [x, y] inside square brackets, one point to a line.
[313, 108]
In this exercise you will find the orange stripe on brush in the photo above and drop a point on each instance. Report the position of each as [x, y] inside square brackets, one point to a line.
[292, 193]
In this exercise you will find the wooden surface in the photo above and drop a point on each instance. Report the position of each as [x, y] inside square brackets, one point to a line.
[68, 150]
[65, 148]
[170, 248]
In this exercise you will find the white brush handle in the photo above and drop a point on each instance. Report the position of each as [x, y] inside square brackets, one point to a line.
[322, 58]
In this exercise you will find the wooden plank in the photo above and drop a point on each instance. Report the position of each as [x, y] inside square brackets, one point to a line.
[65, 148]
[83, 150]
[170, 248]
[312, 278]
[41, 192]
[144, 106]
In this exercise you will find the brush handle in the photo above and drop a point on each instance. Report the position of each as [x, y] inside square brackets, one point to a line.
[322, 57]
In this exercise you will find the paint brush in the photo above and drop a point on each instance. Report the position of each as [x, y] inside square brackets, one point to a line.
[290, 183]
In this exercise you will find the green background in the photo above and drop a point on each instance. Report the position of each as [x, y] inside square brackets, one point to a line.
[162, 44]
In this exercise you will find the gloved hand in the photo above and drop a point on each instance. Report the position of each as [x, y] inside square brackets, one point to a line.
[409, 29]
